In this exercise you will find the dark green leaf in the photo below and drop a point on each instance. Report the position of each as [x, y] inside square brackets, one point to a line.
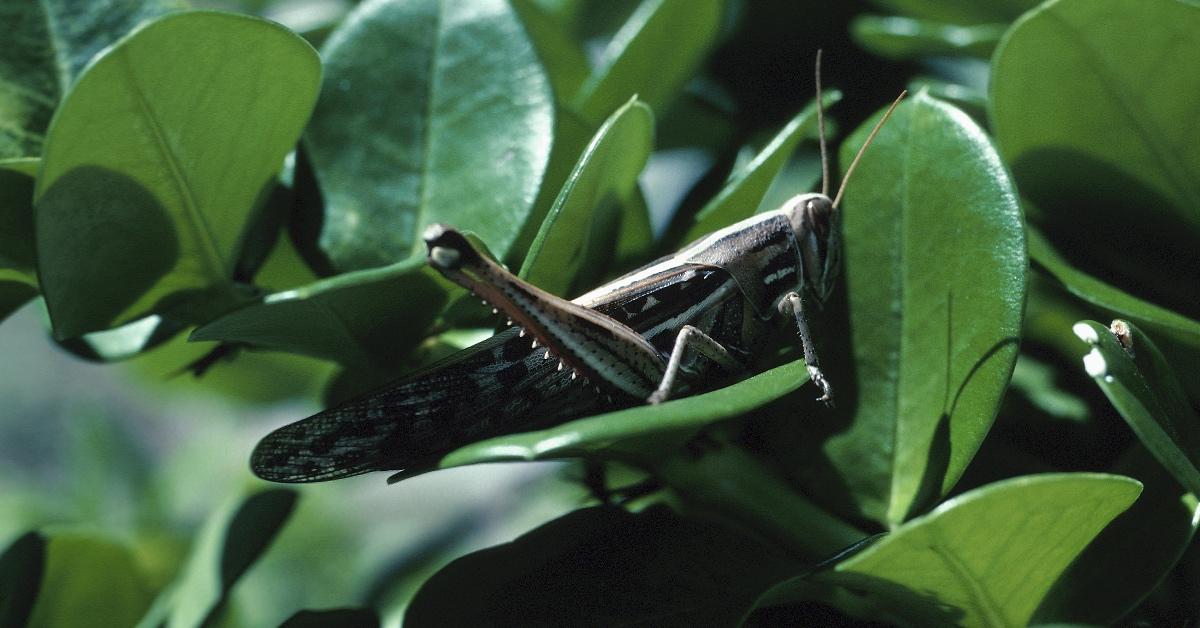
[656, 51]
[1146, 392]
[603, 180]
[21, 567]
[430, 112]
[562, 58]
[49, 43]
[124, 342]
[16, 215]
[89, 578]
[1087, 97]
[232, 540]
[16, 289]
[746, 187]
[1103, 584]
[643, 434]
[935, 282]
[604, 566]
[960, 11]
[340, 617]
[364, 318]
[144, 197]
[909, 38]
[987, 557]
[1108, 297]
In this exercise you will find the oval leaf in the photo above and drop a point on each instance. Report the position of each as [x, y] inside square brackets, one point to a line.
[958, 11]
[88, 577]
[935, 282]
[1087, 100]
[150, 175]
[368, 318]
[430, 112]
[21, 567]
[1145, 391]
[987, 558]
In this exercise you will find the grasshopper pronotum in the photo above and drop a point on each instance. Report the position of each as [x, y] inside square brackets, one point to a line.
[680, 325]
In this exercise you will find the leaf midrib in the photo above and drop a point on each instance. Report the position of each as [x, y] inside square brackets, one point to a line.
[209, 252]
[427, 130]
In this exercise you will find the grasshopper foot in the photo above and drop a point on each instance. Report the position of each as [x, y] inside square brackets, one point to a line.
[818, 378]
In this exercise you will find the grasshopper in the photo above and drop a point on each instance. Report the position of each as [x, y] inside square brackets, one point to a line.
[681, 325]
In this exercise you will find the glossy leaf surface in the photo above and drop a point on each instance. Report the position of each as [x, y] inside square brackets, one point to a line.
[50, 42]
[935, 272]
[987, 557]
[430, 112]
[1144, 389]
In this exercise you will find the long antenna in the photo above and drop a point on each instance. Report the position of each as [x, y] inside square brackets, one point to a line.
[821, 130]
[874, 131]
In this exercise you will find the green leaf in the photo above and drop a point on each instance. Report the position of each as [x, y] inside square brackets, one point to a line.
[741, 195]
[88, 579]
[935, 283]
[562, 58]
[959, 11]
[1087, 99]
[367, 318]
[16, 289]
[904, 38]
[656, 51]
[604, 566]
[16, 215]
[988, 557]
[1103, 584]
[580, 225]
[1146, 392]
[21, 567]
[430, 112]
[124, 342]
[1092, 290]
[150, 175]
[50, 42]
[232, 541]
[642, 434]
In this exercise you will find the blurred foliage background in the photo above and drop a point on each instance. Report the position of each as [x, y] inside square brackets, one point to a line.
[125, 493]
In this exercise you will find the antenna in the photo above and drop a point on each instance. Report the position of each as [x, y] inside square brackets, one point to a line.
[870, 138]
[821, 130]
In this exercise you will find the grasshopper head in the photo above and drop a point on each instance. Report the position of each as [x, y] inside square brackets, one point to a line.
[818, 231]
[449, 250]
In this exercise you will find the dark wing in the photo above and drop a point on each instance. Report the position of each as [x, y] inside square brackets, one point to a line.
[498, 386]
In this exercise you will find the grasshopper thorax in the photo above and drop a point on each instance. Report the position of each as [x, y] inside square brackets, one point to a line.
[815, 221]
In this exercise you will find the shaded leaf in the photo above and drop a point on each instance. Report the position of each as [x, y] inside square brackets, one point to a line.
[1102, 585]
[89, 577]
[50, 43]
[231, 542]
[603, 181]
[933, 244]
[987, 557]
[144, 197]
[1146, 392]
[1108, 297]
[430, 112]
[562, 58]
[21, 567]
[746, 188]
[364, 318]
[654, 53]
[897, 37]
[604, 566]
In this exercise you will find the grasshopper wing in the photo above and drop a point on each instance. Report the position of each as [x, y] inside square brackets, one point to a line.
[498, 386]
